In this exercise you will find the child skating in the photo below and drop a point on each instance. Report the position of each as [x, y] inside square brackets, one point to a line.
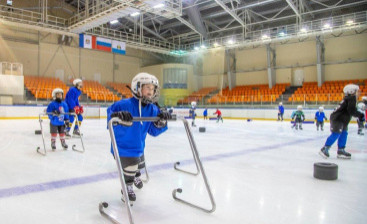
[298, 117]
[320, 117]
[58, 119]
[339, 121]
[130, 136]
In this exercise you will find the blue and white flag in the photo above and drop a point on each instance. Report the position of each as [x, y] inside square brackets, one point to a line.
[118, 47]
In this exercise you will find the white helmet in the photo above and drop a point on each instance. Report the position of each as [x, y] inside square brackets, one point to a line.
[76, 81]
[142, 79]
[361, 106]
[56, 91]
[299, 107]
[364, 98]
[280, 103]
[193, 104]
[321, 108]
[350, 89]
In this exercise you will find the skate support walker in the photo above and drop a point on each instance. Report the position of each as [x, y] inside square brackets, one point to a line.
[325, 171]
[43, 135]
[196, 157]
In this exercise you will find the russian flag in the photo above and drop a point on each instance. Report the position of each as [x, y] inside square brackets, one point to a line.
[118, 47]
[103, 44]
[87, 41]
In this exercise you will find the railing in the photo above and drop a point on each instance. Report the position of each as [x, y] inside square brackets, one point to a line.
[265, 99]
[43, 95]
[31, 17]
[9, 68]
[345, 22]
[172, 9]
[92, 11]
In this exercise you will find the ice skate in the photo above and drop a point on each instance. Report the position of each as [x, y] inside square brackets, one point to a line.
[76, 133]
[130, 193]
[324, 152]
[53, 145]
[138, 183]
[342, 154]
[64, 145]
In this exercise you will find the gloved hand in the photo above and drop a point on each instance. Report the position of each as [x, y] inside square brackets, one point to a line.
[67, 123]
[162, 122]
[125, 118]
[164, 115]
[77, 109]
[81, 109]
[56, 112]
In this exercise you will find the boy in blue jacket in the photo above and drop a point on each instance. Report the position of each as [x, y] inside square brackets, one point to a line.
[72, 100]
[58, 118]
[130, 136]
[280, 111]
[320, 117]
[205, 113]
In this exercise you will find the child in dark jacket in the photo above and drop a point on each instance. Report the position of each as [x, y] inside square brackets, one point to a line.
[339, 121]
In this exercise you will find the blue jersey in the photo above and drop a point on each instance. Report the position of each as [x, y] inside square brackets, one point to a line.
[205, 113]
[131, 140]
[58, 120]
[320, 116]
[192, 113]
[281, 109]
[72, 97]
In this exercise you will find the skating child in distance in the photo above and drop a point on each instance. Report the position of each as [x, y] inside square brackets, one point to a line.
[205, 113]
[320, 117]
[192, 113]
[58, 118]
[72, 100]
[339, 121]
[219, 115]
[299, 117]
[364, 100]
[361, 108]
[130, 136]
[280, 111]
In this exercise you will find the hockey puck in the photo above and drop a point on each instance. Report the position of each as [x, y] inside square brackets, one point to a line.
[38, 132]
[249, 120]
[202, 129]
[325, 171]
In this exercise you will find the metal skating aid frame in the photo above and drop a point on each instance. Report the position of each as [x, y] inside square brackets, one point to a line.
[44, 153]
[192, 145]
[197, 160]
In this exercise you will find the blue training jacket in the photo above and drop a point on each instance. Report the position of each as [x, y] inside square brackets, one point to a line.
[131, 140]
[205, 113]
[281, 109]
[320, 116]
[72, 97]
[62, 108]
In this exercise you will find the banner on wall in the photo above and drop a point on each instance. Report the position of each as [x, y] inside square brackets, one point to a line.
[118, 47]
[103, 44]
[87, 41]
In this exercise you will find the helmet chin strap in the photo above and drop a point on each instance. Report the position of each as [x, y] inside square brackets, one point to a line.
[136, 95]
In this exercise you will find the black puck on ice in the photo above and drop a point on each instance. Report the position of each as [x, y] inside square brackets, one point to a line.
[325, 171]
[37, 132]
[202, 129]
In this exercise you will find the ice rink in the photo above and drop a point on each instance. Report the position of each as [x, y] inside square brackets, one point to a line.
[259, 172]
